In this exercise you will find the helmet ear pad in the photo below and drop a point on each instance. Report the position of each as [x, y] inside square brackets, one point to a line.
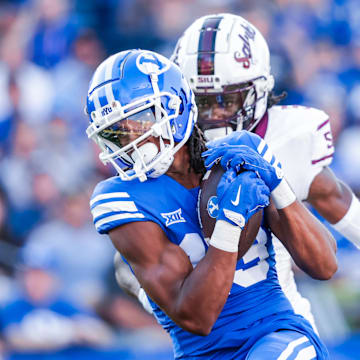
[269, 84]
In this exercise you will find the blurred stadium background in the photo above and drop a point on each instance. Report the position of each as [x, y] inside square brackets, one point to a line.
[49, 249]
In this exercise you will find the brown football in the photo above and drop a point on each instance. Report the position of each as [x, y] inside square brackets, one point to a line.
[206, 207]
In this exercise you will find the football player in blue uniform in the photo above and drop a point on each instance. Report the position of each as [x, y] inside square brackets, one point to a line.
[214, 306]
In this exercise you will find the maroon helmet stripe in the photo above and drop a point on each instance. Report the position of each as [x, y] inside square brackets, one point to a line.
[206, 50]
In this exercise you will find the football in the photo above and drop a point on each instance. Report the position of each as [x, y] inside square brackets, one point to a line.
[207, 208]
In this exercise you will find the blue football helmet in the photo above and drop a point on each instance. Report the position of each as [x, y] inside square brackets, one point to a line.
[135, 95]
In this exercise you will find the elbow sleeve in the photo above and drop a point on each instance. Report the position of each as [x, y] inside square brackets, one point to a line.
[349, 225]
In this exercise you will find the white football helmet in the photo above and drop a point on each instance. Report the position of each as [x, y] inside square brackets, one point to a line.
[226, 61]
[135, 96]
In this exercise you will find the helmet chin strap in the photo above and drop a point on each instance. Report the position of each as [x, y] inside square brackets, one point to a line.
[147, 153]
[144, 154]
[162, 166]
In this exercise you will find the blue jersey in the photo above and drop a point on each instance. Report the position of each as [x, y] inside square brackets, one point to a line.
[256, 304]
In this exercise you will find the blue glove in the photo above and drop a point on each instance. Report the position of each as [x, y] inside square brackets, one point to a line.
[242, 149]
[240, 157]
[240, 196]
[242, 137]
[245, 137]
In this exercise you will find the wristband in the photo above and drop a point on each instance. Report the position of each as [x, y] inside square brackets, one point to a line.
[283, 195]
[349, 224]
[225, 236]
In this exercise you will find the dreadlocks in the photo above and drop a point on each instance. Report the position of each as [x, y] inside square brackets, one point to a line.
[275, 99]
[196, 145]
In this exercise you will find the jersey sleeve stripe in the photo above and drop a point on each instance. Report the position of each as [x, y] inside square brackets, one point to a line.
[272, 160]
[116, 217]
[268, 155]
[322, 159]
[262, 146]
[306, 354]
[113, 206]
[291, 346]
[113, 195]
[323, 124]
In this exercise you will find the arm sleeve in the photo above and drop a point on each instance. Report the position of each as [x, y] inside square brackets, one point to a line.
[349, 224]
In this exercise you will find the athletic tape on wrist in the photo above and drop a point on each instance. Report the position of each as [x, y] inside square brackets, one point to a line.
[225, 236]
[349, 225]
[283, 195]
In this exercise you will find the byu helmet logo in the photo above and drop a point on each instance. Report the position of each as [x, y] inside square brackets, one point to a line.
[213, 207]
[149, 63]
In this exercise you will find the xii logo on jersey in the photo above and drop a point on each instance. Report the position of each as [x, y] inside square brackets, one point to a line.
[173, 217]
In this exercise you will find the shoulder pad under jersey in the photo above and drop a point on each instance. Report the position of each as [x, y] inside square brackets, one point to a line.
[295, 121]
[301, 139]
[115, 202]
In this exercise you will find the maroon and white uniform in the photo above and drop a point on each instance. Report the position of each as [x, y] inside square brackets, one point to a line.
[300, 138]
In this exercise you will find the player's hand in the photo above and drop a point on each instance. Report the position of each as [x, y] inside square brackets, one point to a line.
[242, 137]
[229, 143]
[230, 150]
[240, 157]
[241, 196]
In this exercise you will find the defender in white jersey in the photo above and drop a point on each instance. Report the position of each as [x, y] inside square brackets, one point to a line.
[214, 306]
[227, 63]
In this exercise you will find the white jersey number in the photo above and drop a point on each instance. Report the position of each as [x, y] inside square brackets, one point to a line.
[254, 267]
[194, 247]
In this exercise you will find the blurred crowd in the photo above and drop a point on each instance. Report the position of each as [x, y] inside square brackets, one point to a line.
[54, 268]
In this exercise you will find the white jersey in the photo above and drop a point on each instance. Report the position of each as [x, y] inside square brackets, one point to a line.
[300, 138]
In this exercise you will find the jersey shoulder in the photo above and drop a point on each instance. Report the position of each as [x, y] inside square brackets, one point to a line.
[301, 139]
[115, 202]
[297, 118]
[302, 125]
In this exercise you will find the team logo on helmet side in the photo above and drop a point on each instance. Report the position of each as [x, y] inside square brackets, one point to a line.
[148, 63]
[244, 56]
[213, 207]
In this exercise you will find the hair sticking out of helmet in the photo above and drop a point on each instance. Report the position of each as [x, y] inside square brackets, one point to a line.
[141, 111]
[227, 63]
